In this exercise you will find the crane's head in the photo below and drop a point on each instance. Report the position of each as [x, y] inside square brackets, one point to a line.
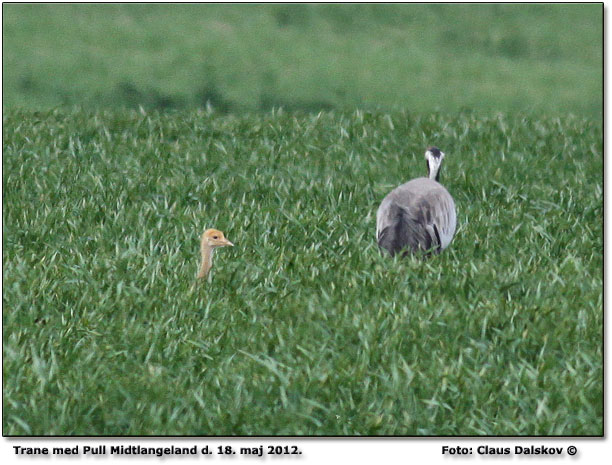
[215, 238]
[434, 157]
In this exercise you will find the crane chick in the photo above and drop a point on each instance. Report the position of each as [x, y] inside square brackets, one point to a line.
[418, 215]
[211, 239]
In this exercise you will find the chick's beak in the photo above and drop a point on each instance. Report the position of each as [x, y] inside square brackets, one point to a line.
[228, 243]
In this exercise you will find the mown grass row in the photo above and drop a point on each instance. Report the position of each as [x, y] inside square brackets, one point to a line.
[305, 328]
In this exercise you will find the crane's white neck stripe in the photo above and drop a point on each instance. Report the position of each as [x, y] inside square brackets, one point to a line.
[434, 163]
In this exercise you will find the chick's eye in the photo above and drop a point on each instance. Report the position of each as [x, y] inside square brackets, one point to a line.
[215, 237]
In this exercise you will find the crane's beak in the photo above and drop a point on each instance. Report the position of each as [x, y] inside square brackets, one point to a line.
[228, 243]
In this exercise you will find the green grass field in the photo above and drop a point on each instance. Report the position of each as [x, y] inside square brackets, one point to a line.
[307, 57]
[305, 328]
[129, 129]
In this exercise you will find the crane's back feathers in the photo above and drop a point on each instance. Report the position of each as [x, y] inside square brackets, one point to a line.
[418, 215]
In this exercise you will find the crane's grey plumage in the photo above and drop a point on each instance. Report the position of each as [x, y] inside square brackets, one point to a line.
[418, 215]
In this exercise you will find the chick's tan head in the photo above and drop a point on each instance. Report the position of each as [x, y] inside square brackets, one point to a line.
[215, 238]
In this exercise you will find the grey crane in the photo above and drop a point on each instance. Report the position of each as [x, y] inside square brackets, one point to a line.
[418, 215]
